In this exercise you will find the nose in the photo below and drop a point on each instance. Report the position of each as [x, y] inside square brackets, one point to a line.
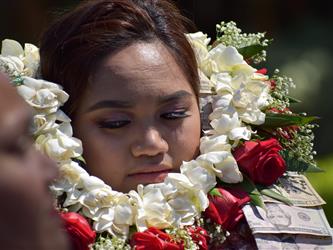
[149, 142]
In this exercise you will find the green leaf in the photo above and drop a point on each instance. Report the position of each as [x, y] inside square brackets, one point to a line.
[132, 230]
[275, 195]
[274, 120]
[252, 50]
[18, 81]
[257, 201]
[298, 165]
[313, 169]
[215, 192]
[253, 192]
[80, 158]
[293, 100]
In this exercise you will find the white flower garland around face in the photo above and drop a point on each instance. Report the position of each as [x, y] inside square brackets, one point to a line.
[239, 96]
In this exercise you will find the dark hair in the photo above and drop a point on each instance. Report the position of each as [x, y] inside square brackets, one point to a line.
[72, 48]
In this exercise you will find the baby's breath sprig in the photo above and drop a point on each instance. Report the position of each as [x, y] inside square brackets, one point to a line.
[300, 146]
[110, 243]
[281, 86]
[216, 233]
[182, 235]
[298, 140]
[229, 34]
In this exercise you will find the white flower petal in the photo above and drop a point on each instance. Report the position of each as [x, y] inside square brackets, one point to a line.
[203, 178]
[11, 65]
[214, 143]
[225, 123]
[225, 165]
[26, 92]
[11, 48]
[240, 133]
[92, 182]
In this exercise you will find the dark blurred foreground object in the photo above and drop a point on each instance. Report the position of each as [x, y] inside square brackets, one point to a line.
[27, 218]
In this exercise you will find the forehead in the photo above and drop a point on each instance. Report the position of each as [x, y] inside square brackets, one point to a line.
[141, 68]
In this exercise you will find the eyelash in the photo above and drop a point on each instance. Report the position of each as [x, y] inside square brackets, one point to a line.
[114, 124]
[174, 115]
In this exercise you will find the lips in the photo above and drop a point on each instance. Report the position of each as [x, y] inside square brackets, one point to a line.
[150, 174]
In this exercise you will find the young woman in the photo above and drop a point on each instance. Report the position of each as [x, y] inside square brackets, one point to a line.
[133, 84]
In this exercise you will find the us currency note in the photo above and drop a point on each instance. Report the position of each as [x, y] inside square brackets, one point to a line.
[298, 190]
[280, 218]
[292, 241]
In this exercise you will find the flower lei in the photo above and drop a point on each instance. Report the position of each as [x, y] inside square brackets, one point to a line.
[247, 111]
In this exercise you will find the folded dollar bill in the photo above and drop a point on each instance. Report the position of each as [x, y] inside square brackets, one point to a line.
[292, 241]
[280, 218]
[297, 189]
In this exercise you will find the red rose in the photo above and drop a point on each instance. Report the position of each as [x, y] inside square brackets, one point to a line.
[199, 237]
[225, 206]
[287, 132]
[262, 71]
[273, 84]
[261, 161]
[80, 233]
[154, 239]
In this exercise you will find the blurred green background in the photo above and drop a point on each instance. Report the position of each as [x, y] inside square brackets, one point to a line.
[302, 49]
[322, 182]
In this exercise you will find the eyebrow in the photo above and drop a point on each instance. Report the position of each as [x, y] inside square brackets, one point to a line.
[175, 96]
[127, 104]
[110, 104]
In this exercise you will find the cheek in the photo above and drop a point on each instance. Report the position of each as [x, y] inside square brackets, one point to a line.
[184, 142]
[104, 153]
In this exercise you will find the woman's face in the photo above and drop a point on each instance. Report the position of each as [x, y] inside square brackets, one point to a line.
[139, 118]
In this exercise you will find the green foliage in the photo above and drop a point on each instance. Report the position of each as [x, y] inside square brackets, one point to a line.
[215, 192]
[18, 81]
[256, 199]
[105, 241]
[271, 193]
[298, 165]
[251, 51]
[323, 184]
[293, 99]
[80, 158]
[250, 45]
[274, 120]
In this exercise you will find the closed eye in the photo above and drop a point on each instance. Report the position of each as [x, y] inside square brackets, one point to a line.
[114, 124]
[175, 115]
